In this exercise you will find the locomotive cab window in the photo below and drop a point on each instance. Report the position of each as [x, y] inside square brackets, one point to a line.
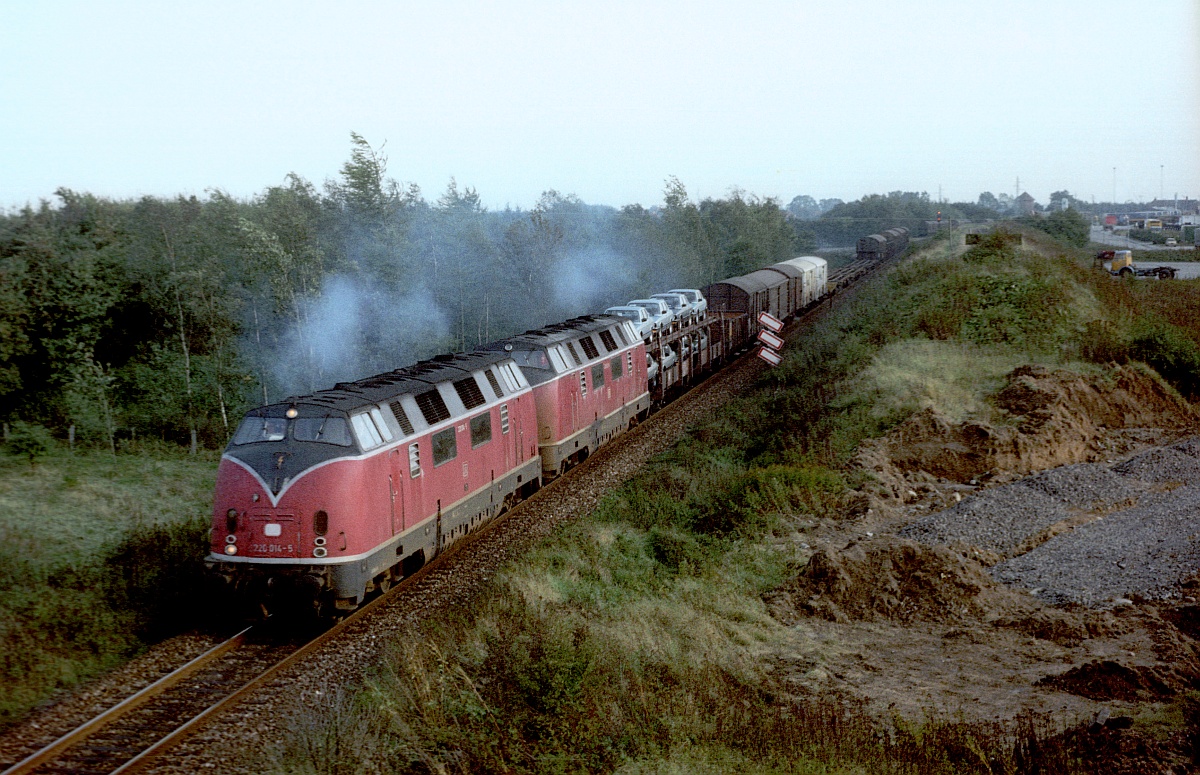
[445, 446]
[255, 429]
[326, 430]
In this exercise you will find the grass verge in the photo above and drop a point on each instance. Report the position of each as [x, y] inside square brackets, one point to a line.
[99, 555]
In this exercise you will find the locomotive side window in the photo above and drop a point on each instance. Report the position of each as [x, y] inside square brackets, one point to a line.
[506, 375]
[610, 344]
[598, 376]
[364, 429]
[491, 378]
[468, 390]
[504, 418]
[255, 429]
[574, 354]
[382, 426]
[481, 429]
[327, 430]
[445, 446]
[589, 347]
[583, 383]
[615, 365]
[512, 375]
[414, 459]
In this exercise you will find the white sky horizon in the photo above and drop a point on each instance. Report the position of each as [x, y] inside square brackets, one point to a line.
[604, 101]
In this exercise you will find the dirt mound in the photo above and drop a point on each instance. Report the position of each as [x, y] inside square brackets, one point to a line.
[892, 578]
[1105, 679]
[1054, 418]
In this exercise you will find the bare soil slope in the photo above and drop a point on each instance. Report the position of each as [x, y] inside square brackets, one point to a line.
[963, 581]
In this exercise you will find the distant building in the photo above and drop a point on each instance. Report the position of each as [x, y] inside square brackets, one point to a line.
[1176, 206]
[1026, 204]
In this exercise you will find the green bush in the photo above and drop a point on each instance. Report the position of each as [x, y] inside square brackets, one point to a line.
[29, 440]
[1170, 352]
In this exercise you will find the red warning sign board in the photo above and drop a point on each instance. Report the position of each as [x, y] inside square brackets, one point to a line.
[770, 356]
[770, 340]
[770, 321]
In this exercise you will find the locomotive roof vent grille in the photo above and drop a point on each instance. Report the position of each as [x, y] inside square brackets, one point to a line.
[491, 378]
[574, 353]
[433, 407]
[589, 347]
[610, 344]
[402, 418]
[468, 390]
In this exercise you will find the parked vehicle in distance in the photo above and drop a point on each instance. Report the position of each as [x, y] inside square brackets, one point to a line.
[660, 312]
[679, 304]
[698, 302]
[1171, 242]
[639, 315]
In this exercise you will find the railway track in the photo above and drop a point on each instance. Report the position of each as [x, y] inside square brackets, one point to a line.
[133, 735]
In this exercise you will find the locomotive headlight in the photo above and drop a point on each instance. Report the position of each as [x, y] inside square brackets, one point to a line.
[291, 413]
[230, 549]
[231, 539]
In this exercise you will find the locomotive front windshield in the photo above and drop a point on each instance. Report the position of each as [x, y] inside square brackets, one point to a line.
[325, 430]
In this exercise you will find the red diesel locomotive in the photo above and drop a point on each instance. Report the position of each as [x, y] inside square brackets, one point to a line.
[322, 499]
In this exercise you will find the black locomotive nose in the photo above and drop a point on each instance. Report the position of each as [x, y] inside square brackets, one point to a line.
[278, 463]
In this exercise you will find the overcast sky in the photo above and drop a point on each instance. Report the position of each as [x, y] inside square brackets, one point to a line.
[605, 99]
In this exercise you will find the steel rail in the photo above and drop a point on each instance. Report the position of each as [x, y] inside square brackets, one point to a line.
[89, 728]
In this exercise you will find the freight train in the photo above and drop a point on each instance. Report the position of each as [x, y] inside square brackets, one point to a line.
[323, 499]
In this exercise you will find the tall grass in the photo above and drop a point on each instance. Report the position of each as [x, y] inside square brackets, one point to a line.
[99, 555]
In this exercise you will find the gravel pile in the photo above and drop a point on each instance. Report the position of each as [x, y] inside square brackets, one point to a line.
[1087, 486]
[1145, 550]
[1189, 447]
[1162, 464]
[1131, 539]
[997, 519]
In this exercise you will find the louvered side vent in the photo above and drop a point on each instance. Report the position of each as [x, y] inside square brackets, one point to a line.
[610, 344]
[495, 383]
[468, 390]
[401, 418]
[589, 347]
[574, 353]
[433, 407]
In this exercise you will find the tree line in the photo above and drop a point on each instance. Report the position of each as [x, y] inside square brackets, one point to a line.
[169, 317]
